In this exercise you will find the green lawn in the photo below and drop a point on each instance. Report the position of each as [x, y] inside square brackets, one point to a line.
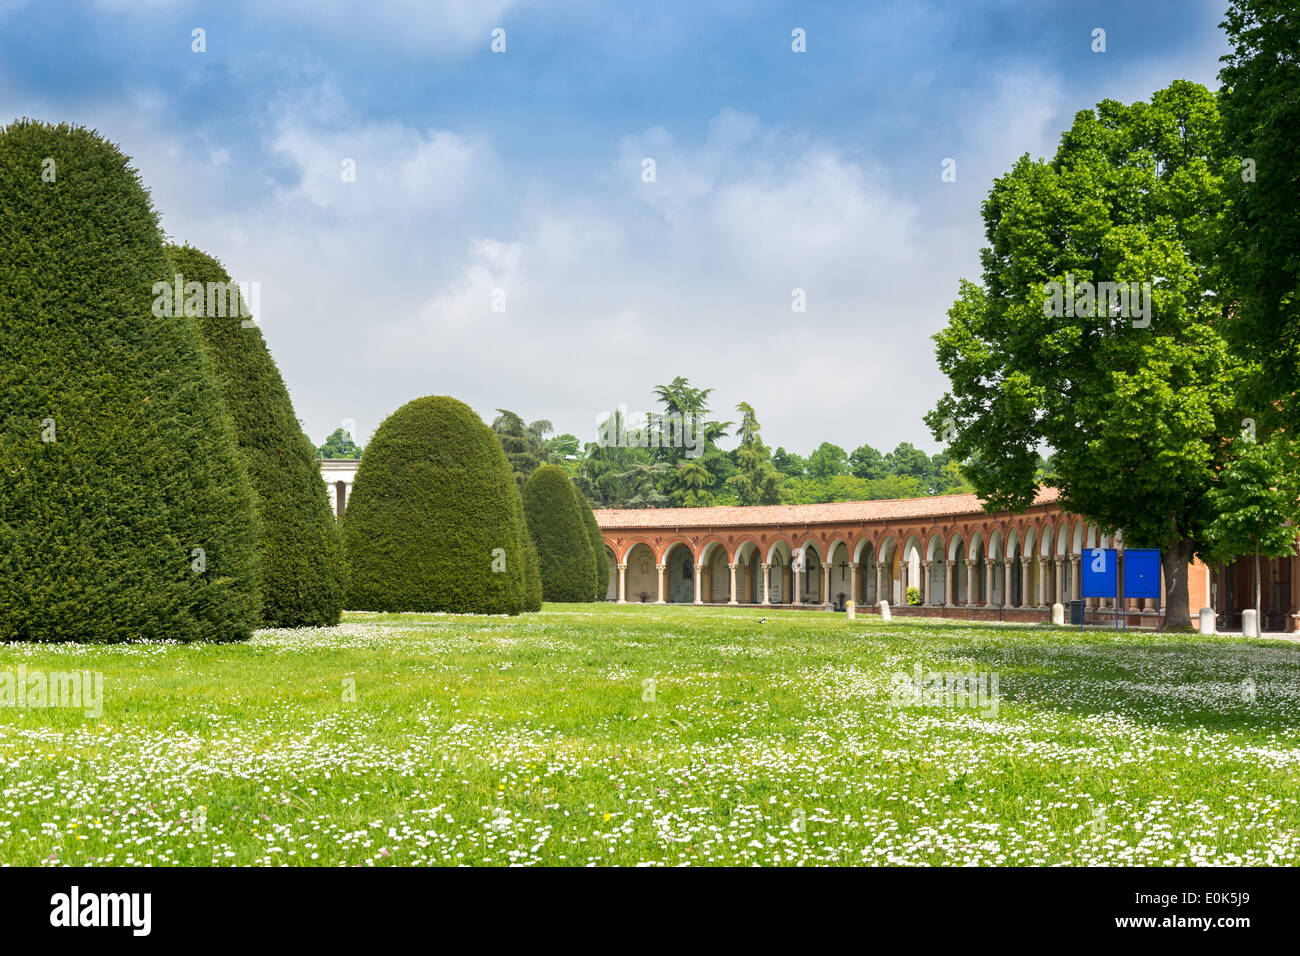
[661, 735]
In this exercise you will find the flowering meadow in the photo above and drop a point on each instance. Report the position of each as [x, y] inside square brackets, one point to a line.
[643, 735]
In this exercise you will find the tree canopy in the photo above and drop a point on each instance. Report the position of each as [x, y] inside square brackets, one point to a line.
[339, 444]
[1132, 392]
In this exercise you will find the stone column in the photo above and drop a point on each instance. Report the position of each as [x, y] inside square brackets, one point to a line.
[949, 579]
[1007, 565]
[880, 583]
[826, 583]
[767, 584]
[796, 585]
[925, 581]
[853, 583]
[622, 584]
[663, 596]
[971, 594]
[1044, 583]
[732, 598]
[988, 582]
[699, 584]
[1026, 599]
[1060, 581]
[1076, 582]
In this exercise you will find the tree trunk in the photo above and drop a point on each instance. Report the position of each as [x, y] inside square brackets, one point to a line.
[1257, 607]
[1174, 559]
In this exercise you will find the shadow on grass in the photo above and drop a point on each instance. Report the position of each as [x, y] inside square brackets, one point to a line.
[1247, 687]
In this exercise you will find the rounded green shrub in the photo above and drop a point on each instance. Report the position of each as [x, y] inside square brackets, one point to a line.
[125, 506]
[600, 564]
[563, 547]
[303, 568]
[434, 522]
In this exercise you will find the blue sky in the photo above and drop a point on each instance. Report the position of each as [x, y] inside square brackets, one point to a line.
[521, 172]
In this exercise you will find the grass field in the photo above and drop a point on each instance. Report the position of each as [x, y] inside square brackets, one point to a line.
[643, 735]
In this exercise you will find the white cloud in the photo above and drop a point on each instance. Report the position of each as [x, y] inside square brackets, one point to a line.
[398, 170]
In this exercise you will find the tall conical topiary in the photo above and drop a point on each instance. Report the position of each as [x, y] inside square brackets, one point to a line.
[600, 562]
[532, 563]
[555, 522]
[303, 568]
[434, 521]
[125, 506]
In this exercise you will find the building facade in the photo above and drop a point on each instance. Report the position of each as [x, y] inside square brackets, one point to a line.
[963, 561]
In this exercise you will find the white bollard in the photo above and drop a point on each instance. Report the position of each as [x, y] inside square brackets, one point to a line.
[851, 610]
[1058, 614]
[884, 610]
[1250, 623]
[1207, 620]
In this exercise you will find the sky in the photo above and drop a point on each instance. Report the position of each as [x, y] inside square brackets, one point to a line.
[500, 241]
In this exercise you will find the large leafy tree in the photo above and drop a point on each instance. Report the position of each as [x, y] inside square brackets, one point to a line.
[524, 443]
[1256, 503]
[756, 482]
[1135, 408]
[692, 476]
[339, 444]
[828, 461]
[1260, 101]
[867, 462]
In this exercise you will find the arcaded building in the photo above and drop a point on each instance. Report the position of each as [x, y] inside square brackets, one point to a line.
[964, 562]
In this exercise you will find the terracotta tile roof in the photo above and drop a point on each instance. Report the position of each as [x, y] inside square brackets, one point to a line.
[835, 512]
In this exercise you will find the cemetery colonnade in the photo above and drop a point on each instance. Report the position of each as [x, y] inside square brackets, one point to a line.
[963, 561]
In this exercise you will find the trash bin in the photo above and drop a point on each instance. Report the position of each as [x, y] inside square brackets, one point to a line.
[1076, 612]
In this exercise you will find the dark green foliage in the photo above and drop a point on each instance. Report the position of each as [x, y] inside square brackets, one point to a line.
[101, 527]
[556, 525]
[303, 569]
[339, 444]
[525, 445]
[600, 562]
[532, 564]
[433, 510]
[1260, 100]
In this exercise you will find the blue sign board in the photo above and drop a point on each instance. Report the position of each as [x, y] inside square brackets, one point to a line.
[1141, 573]
[1100, 573]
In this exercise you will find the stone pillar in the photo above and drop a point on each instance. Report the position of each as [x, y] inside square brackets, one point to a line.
[663, 596]
[988, 582]
[699, 584]
[826, 583]
[971, 594]
[767, 584]
[622, 584]
[880, 581]
[853, 582]
[1007, 565]
[732, 598]
[1060, 581]
[925, 581]
[796, 585]
[949, 579]
[1044, 582]
[1076, 582]
[1026, 599]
